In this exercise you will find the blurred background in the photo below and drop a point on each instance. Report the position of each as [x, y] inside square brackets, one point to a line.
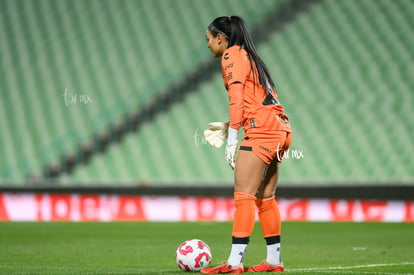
[117, 93]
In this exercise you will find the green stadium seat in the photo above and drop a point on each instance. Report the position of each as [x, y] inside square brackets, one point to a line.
[343, 71]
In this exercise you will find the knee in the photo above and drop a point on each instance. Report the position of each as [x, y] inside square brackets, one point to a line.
[265, 203]
[245, 189]
[238, 196]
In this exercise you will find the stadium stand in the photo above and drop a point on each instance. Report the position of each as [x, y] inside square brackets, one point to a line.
[347, 61]
[334, 74]
[74, 68]
[343, 71]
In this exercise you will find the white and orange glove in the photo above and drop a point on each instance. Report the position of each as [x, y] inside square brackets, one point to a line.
[216, 133]
[231, 147]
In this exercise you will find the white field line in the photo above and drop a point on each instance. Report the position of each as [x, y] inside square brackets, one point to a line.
[330, 269]
[354, 272]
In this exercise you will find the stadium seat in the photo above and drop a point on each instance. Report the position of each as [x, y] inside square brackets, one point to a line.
[343, 71]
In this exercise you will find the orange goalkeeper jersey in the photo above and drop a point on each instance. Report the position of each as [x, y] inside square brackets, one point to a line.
[252, 107]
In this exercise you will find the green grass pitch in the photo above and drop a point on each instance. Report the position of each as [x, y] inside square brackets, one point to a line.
[149, 248]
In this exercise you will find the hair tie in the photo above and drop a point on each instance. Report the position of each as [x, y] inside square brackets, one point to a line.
[229, 18]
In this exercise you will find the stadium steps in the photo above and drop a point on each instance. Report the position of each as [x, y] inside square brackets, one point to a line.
[189, 170]
[346, 84]
[118, 54]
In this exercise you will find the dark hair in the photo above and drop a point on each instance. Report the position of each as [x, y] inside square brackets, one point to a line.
[234, 29]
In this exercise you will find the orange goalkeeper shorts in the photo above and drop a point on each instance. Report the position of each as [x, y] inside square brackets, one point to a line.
[268, 146]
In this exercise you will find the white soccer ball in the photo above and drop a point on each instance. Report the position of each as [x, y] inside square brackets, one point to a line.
[193, 255]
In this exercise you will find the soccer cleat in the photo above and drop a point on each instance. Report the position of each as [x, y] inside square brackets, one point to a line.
[264, 267]
[224, 269]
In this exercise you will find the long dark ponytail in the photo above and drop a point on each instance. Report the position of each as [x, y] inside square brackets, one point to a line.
[234, 29]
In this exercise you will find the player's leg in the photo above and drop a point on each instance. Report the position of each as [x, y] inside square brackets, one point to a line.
[270, 222]
[269, 214]
[248, 174]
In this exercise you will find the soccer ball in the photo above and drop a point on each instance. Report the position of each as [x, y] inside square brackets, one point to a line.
[193, 255]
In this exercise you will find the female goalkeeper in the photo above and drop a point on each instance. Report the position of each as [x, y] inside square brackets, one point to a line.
[253, 105]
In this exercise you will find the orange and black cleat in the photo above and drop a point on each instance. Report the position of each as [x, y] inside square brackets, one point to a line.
[224, 269]
[264, 267]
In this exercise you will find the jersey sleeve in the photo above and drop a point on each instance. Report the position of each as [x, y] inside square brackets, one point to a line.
[235, 66]
[236, 105]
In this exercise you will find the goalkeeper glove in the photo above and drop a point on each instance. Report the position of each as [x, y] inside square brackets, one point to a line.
[216, 133]
[231, 147]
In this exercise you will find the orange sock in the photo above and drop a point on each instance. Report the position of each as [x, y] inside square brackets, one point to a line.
[244, 215]
[269, 216]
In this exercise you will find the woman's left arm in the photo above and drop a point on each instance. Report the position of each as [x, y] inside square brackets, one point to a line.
[236, 103]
